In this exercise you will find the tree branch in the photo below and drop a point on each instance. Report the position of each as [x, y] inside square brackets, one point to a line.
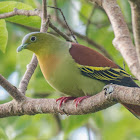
[21, 12]
[44, 19]
[135, 10]
[60, 33]
[13, 91]
[28, 74]
[44, 10]
[90, 105]
[122, 39]
[64, 20]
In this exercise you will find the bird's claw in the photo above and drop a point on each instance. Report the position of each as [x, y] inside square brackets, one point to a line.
[79, 100]
[76, 100]
[64, 100]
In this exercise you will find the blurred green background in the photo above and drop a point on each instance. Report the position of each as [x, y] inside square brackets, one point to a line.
[87, 20]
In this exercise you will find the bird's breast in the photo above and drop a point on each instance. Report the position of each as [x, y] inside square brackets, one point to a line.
[48, 65]
[61, 73]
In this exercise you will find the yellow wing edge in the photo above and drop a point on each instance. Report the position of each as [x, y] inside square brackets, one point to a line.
[103, 73]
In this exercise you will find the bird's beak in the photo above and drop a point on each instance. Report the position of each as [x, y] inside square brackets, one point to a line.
[21, 47]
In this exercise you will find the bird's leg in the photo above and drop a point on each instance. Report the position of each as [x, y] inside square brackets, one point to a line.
[79, 99]
[64, 100]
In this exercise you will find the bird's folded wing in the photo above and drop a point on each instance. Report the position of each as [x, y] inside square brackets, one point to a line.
[103, 73]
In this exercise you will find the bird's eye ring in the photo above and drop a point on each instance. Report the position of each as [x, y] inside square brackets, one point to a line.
[33, 38]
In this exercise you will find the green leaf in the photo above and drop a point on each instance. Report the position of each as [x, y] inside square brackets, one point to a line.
[31, 21]
[3, 35]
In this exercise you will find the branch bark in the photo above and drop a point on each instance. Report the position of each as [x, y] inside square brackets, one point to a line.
[21, 12]
[122, 40]
[44, 16]
[90, 105]
[135, 10]
[28, 74]
[13, 91]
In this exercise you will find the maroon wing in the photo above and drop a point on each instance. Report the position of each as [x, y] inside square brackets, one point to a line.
[89, 57]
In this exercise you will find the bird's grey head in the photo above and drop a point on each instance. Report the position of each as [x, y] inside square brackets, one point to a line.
[39, 42]
[28, 40]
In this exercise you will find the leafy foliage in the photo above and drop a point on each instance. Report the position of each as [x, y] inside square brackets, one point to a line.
[23, 20]
[113, 123]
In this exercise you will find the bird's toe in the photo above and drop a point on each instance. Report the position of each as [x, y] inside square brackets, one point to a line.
[80, 99]
[64, 100]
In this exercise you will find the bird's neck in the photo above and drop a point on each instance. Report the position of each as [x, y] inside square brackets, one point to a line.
[52, 47]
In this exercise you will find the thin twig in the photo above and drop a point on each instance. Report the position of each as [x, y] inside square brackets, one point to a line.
[48, 21]
[65, 22]
[60, 33]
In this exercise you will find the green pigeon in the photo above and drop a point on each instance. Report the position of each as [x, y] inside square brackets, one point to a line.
[74, 69]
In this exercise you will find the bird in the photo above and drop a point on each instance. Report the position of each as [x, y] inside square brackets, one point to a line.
[74, 69]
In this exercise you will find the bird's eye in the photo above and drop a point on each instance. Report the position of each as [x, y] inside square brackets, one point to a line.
[33, 38]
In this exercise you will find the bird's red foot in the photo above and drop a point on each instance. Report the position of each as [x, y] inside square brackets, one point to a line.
[80, 99]
[64, 100]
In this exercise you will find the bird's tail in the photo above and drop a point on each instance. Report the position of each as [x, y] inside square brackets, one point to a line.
[134, 109]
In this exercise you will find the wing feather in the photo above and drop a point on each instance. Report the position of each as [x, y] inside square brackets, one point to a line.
[103, 73]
